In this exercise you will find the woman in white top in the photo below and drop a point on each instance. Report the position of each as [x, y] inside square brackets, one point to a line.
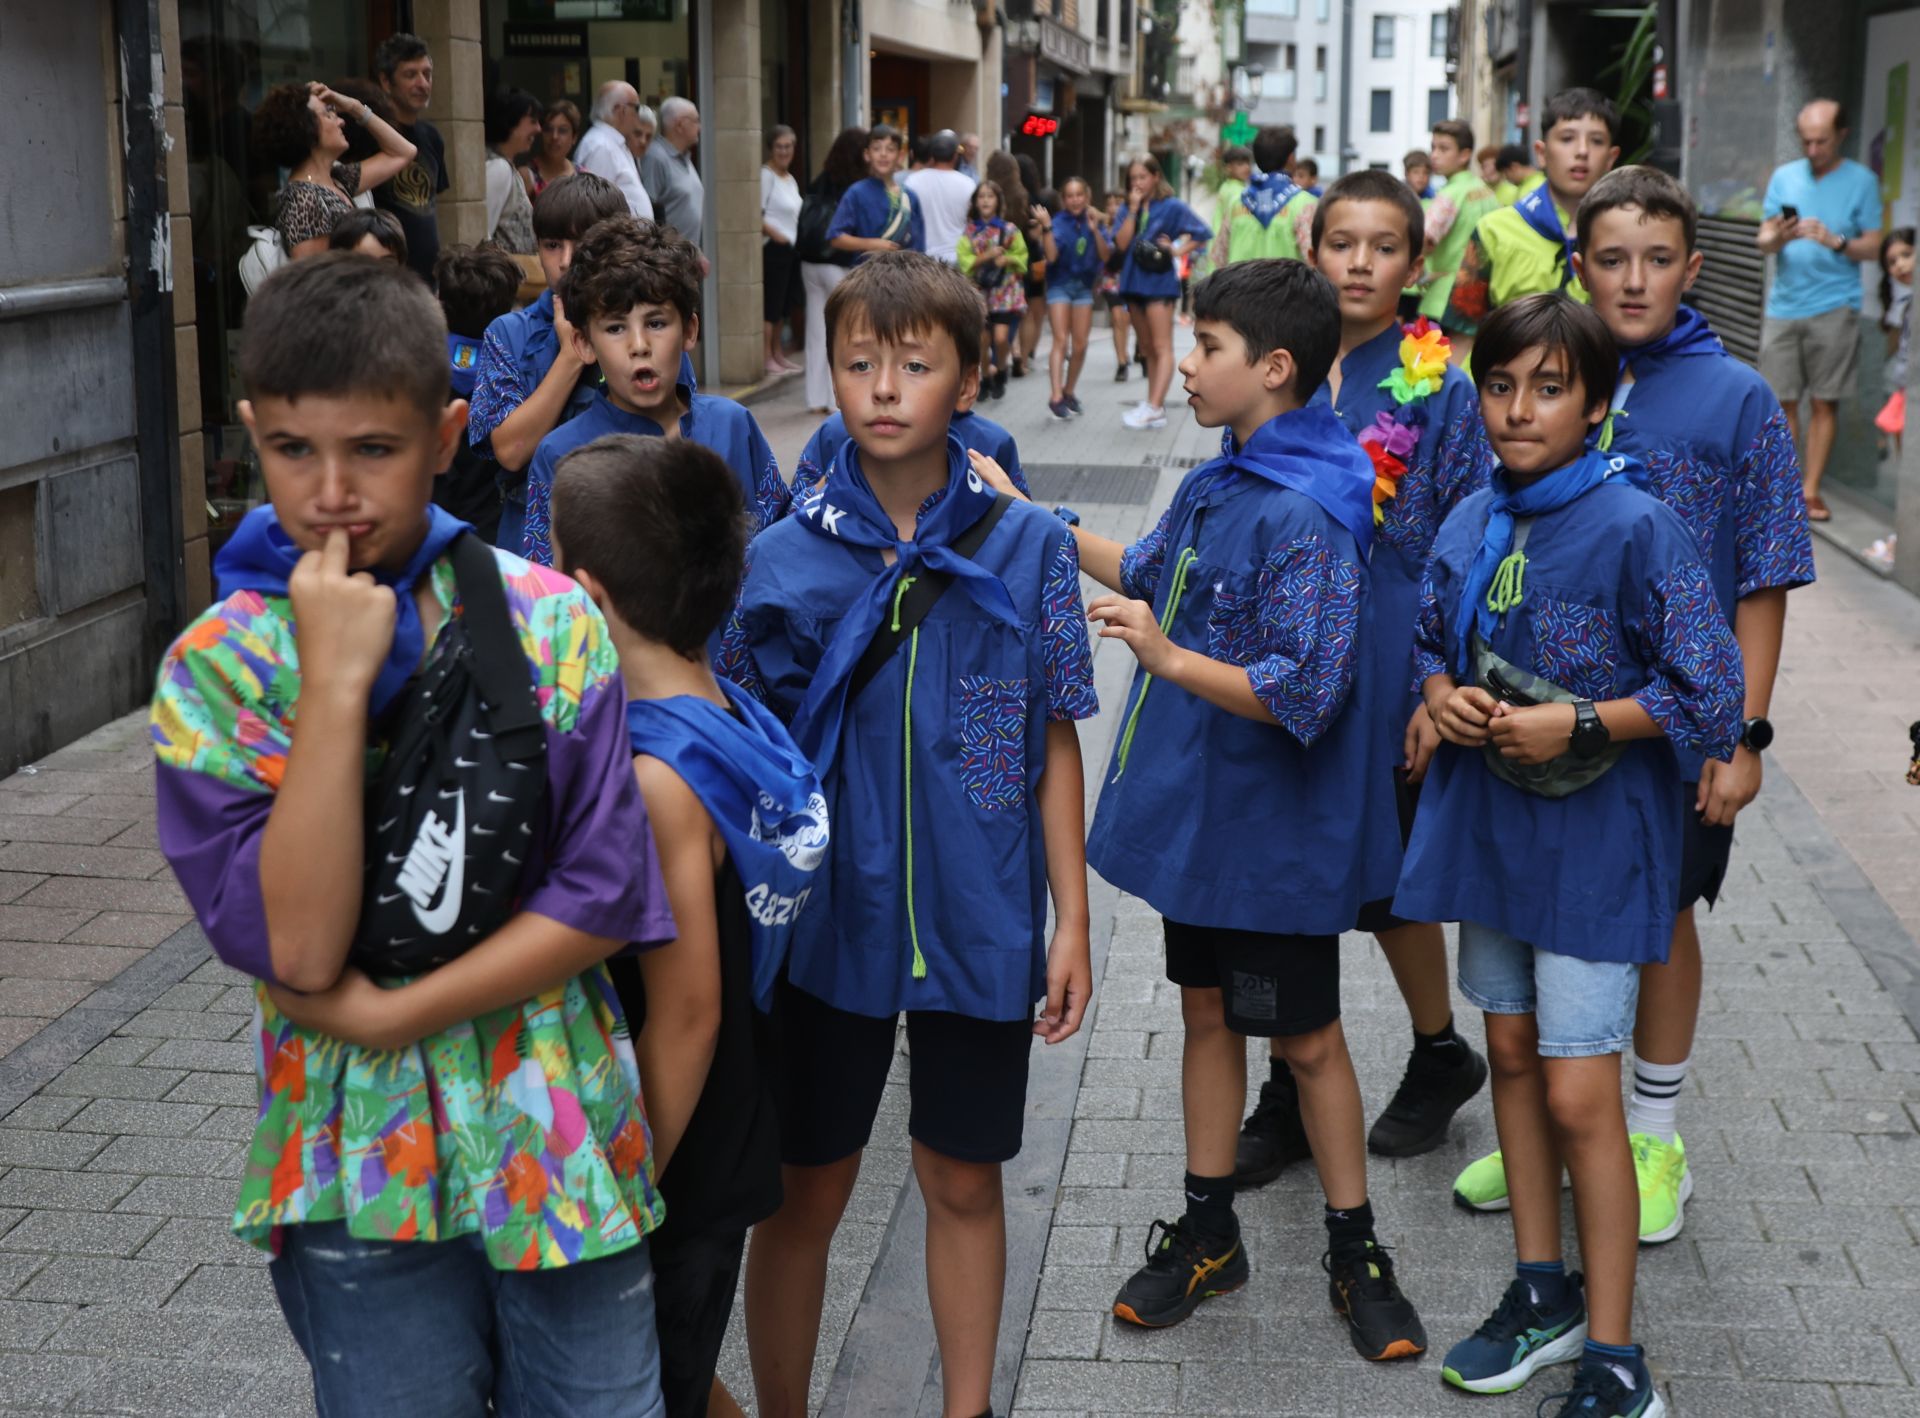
[513, 123]
[780, 224]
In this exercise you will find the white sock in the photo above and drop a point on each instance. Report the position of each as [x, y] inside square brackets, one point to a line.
[1656, 1097]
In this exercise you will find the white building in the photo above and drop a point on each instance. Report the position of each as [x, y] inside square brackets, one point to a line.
[1399, 87]
[1298, 44]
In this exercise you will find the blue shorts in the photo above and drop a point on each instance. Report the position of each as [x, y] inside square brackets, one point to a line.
[1069, 291]
[1581, 1007]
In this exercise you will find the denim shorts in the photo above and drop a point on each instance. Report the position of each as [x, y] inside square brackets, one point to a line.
[1068, 291]
[1581, 1007]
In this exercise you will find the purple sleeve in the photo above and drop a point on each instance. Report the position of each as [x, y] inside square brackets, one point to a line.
[1065, 650]
[1696, 691]
[496, 390]
[1771, 543]
[1142, 563]
[210, 832]
[601, 872]
[1309, 606]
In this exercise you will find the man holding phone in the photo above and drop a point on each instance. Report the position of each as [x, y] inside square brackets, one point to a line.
[1822, 219]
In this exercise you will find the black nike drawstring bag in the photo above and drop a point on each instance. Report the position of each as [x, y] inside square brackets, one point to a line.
[450, 820]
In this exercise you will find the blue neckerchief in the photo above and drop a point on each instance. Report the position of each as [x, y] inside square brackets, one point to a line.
[1536, 209]
[1549, 494]
[1312, 452]
[1690, 335]
[844, 508]
[1267, 194]
[463, 363]
[260, 556]
[763, 798]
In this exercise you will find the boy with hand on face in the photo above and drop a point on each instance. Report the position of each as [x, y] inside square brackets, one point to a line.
[1717, 451]
[1527, 248]
[926, 640]
[1418, 421]
[633, 294]
[1247, 607]
[1568, 642]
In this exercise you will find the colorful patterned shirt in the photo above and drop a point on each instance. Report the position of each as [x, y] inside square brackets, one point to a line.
[523, 1127]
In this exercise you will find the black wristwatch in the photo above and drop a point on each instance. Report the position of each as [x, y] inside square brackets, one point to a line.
[1067, 514]
[1590, 736]
[1756, 734]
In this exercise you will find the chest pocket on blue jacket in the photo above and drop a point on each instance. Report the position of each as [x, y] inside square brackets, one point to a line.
[1576, 646]
[993, 741]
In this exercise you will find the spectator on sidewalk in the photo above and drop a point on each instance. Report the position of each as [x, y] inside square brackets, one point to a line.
[553, 155]
[302, 128]
[404, 67]
[604, 151]
[822, 267]
[669, 174]
[969, 161]
[512, 128]
[944, 193]
[779, 228]
[645, 124]
[1822, 221]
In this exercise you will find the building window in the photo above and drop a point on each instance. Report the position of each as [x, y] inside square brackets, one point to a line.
[1378, 166]
[1103, 20]
[1437, 40]
[1320, 137]
[1437, 107]
[1320, 73]
[1383, 36]
[1284, 9]
[1381, 119]
[1320, 10]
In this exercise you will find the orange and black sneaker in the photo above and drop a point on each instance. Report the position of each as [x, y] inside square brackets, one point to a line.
[1381, 1321]
[1182, 1269]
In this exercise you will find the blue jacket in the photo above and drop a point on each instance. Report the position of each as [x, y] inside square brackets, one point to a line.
[863, 212]
[1616, 604]
[1217, 820]
[1172, 219]
[964, 848]
[976, 431]
[1079, 252]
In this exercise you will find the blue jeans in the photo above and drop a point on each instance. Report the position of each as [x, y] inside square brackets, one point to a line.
[415, 1329]
[1581, 1007]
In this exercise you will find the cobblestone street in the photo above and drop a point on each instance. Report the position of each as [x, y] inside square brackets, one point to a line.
[126, 1094]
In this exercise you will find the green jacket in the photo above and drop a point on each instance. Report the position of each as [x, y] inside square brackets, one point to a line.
[1471, 201]
[1505, 260]
[1242, 238]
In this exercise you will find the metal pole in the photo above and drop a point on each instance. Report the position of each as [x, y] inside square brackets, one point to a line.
[1046, 166]
[1346, 79]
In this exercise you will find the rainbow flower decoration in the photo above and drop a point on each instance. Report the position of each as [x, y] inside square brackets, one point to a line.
[1424, 356]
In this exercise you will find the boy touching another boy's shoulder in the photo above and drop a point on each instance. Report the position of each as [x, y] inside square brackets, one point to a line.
[1246, 607]
[633, 295]
[656, 532]
[927, 641]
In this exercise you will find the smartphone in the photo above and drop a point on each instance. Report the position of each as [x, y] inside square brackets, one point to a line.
[1789, 215]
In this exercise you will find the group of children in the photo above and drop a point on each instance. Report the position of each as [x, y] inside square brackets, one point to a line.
[1414, 648]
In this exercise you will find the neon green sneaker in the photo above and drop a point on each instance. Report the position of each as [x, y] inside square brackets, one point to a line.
[1483, 1185]
[1665, 1185]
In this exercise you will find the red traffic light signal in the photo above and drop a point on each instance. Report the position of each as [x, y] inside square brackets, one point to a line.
[1040, 125]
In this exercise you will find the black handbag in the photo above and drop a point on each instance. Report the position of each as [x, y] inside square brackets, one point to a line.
[1150, 258]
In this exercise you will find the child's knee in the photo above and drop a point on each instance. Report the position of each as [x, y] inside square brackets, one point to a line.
[814, 1198]
[1314, 1052]
[1513, 1045]
[1578, 1101]
[1202, 1012]
[953, 1188]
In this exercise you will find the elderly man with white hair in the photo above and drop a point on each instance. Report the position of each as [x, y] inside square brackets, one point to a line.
[604, 152]
[671, 179]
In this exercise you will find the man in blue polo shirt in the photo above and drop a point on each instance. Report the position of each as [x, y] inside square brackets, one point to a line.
[1822, 219]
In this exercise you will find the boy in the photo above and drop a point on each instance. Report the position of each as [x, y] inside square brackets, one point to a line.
[1418, 166]
[1237, 163]
[413, 1242]
[1488, 159]
[655, 531]
[1306, 172]
[1272, 216]
[632, 294]
[1429, 451]
[975, 430]
[1452, 215]
[1250, 673]
[476, 285]
[1526, 249]
[1551, 821]
[1517, 176]
[954, 779]
[1717, 450]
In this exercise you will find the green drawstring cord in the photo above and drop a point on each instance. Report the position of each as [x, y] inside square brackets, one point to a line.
[1181, 567]
[1605, 441]
[1509, 584]
[906, 756]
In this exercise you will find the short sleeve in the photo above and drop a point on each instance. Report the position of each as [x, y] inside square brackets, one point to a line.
[441, 182]
[1308, 604]
[1191, 225]
[1065, 650]
[1696, 689]
[1302, 223]
[846, 216]
[1440, 216]
[347, 174]
[497, 388]
[1773, 201]
[1142, 563]
[1772, 544]
[1866, 214]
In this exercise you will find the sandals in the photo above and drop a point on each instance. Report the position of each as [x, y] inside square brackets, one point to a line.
[1817, 509]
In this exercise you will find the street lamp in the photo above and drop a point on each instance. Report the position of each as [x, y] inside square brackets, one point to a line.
[1248, 80]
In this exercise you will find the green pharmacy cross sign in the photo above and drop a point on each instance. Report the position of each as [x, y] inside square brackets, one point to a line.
[1239, 131]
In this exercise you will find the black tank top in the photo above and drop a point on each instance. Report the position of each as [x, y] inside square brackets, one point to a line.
[725, 1175]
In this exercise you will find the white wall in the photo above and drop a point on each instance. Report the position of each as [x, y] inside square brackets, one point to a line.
[1409, 76]
[1308, 25]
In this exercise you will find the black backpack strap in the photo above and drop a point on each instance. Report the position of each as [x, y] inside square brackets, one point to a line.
[499, 661]
[918, 599]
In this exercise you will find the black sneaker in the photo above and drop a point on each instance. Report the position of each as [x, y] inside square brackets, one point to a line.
[1381, 1321]
[1120, 375]
[1074, 404]
[1179, 1273]
[1599, 1392]
[1273, 1137]
[1425, 1102]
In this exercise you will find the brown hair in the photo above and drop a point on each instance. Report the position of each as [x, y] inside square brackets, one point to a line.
[1457, 129]
[1648, 188]
[999, 201]
[477, 285]
[569, 207]
[1161, 189]
[284, 128]
[624, 262]
[904, 292]
[1559, 325]
[562, 108]
[1014, 201]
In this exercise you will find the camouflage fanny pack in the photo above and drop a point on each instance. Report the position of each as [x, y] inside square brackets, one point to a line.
[1557, 777]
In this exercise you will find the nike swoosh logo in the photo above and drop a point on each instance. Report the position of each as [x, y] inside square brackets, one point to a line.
[443, 917]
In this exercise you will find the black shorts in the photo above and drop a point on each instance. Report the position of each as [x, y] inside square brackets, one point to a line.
[1137, 304]
[1704, 853]
[1010, 318]
[967, 1080]
[780, 274]
[1270, 985]
[695, 1275]
[1377, 916]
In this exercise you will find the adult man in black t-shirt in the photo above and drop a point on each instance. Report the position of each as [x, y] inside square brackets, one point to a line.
[404, 67]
